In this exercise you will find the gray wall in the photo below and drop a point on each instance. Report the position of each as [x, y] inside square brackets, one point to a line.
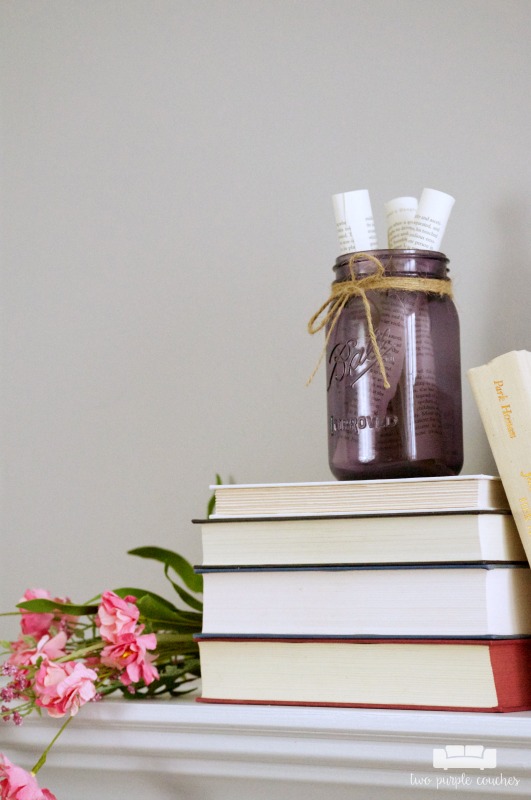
[167, 230]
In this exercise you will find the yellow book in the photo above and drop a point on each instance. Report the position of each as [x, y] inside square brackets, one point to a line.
[502, 390]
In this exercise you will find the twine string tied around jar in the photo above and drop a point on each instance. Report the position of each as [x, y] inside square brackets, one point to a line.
[342, 291]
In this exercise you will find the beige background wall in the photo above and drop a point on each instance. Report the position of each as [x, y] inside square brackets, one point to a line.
[167, 230]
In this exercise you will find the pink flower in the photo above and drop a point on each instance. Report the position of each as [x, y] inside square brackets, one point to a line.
[34, 624]
[38, 624]
[129, 654]
[64, 687]
[21, 653]
[116, 616]
[17, 784]
[50, 646]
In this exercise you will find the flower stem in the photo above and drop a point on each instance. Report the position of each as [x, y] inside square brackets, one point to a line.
[42, 760]
[80, 653]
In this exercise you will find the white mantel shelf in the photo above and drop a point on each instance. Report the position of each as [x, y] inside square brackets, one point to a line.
[170, 749]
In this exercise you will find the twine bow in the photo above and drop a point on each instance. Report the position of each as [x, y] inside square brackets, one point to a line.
[358, 287]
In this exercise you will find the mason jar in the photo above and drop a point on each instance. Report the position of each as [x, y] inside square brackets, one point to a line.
[394, 393]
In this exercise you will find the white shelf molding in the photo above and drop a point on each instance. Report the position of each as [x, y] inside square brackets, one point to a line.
[179, 748]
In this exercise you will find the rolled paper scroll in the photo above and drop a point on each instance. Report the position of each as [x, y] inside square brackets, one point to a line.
[355, 222]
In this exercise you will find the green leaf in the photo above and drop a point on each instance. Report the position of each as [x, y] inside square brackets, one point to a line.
[43, 606]
[160, 616]
[185, 596]
[151, 608]
[172, 560]
[139, 593]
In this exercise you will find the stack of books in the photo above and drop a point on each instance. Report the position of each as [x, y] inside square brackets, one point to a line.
[412, 593]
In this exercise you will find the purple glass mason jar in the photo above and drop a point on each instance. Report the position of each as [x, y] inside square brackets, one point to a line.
[413, 428]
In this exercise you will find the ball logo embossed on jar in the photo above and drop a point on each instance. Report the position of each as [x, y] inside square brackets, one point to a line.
[350, 360]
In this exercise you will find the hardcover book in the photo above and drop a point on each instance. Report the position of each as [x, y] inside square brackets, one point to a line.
[454, 675]
[437, 601]
[362, 539]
